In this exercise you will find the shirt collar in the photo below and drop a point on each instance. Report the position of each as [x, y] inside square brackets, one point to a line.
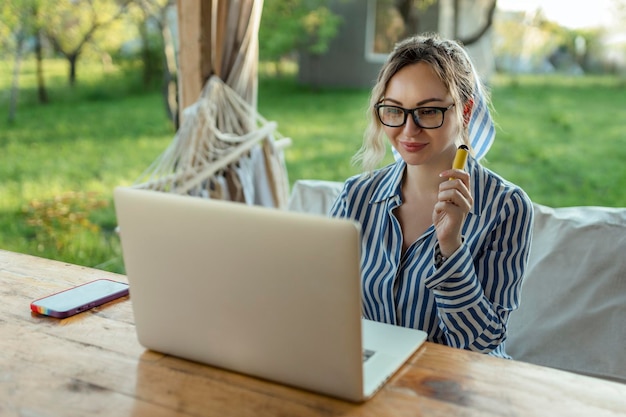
[391, 184]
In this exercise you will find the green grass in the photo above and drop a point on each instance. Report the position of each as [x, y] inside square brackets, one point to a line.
[326, 126]
[91, 138]
[562, 139]
[559, 138]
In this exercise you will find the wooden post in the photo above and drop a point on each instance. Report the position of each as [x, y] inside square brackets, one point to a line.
[194, 53]
[207, 29]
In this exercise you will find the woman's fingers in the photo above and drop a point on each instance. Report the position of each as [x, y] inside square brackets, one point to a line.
[456, 192]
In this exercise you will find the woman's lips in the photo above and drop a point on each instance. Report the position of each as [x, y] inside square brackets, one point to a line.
[413, 146]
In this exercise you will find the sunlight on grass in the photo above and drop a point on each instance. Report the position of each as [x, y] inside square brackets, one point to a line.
[559, 138]
[89, 139]
[558, 134]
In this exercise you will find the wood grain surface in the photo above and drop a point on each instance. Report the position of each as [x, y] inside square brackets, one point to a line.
[92, 365]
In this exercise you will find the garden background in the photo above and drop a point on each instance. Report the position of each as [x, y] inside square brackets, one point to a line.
[560, 136]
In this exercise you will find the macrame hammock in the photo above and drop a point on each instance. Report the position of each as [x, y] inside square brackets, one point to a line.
[223, 150]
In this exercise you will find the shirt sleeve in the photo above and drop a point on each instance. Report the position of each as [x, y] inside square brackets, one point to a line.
[470, 316]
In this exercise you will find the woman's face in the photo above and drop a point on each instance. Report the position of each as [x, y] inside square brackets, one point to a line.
[417, 85]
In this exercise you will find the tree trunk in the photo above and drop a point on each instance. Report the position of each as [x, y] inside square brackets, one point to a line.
[410, 16]
[475, 37]
[148, 63]
[15, 84]
[72, 59]
[170, 70]
[42, 94]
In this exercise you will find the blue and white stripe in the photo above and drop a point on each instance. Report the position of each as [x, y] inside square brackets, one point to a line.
[467, 301]
[481, 129]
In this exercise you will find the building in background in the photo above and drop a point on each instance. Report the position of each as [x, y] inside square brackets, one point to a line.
[371, 28]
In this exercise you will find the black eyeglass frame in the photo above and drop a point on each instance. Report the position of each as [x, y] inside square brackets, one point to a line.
[406, 112]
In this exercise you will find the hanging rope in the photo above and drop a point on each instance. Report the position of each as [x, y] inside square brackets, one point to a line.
[224, 149]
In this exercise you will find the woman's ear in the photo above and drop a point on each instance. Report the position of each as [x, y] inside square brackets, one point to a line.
[467, 111]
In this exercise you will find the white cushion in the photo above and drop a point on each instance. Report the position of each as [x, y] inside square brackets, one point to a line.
[573, 307]
[314, 196]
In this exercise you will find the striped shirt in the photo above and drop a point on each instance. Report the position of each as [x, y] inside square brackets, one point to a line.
[466, 302]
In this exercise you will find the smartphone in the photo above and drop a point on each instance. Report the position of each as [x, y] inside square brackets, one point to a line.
[80, 298]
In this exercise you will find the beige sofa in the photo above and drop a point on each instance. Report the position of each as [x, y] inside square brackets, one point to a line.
[573, 310]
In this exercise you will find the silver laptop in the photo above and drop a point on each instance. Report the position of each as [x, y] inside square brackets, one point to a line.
[260, 291]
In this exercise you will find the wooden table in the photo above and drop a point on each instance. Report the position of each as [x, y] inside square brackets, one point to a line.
[92, 365]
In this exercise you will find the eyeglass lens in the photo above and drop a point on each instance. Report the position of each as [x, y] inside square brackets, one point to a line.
[426, 117]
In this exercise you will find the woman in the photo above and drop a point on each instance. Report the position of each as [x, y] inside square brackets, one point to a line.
[443, 250]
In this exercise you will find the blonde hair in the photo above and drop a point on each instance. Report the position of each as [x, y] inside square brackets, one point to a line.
[453, 66]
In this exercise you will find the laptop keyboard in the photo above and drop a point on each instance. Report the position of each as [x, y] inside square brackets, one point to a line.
[367, 354]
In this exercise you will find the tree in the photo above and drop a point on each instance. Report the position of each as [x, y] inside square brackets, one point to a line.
[71, 24]
[476, 36]
[290, 25]
[410, 12]
[42, 93]
[17, 23]
[396, 19]
[156, 12]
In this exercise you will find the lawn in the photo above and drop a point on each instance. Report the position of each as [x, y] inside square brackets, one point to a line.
[560, 138]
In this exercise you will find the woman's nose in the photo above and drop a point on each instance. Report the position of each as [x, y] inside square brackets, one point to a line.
[410, 126]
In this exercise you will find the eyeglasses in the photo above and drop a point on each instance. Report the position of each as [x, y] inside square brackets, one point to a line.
[424, 117]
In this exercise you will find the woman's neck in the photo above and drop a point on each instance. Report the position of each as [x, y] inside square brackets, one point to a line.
[420, 180]
[425, 179]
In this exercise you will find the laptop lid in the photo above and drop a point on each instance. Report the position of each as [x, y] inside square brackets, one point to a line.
[265, 292]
